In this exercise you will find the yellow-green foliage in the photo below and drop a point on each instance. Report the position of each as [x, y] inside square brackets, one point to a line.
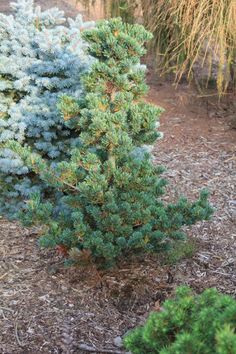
[188, 324]
[187, 31]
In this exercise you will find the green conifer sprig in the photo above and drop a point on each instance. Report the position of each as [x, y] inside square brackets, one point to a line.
[195, 324]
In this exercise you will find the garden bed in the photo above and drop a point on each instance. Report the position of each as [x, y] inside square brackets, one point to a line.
[47, 308]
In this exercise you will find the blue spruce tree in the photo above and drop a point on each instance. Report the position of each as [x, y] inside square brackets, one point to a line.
[111, 189]
[41, 58]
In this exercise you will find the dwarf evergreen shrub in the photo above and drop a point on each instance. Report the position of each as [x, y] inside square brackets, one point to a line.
[188, 324]
[112, 191]
[40, 59]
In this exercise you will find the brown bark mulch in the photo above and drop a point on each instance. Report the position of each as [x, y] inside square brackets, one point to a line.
[47, 308]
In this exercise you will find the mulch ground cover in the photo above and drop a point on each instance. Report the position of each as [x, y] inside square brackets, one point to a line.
[48, 308]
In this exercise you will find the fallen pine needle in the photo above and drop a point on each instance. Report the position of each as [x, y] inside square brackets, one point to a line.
[3, 276]
[88, 348]
[17, 336]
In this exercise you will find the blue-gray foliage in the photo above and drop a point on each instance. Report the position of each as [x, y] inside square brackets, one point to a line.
[42, 56]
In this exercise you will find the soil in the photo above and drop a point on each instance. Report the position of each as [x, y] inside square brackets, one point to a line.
[48, 308]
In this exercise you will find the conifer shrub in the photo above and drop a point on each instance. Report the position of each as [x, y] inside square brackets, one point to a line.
[111, 189]
[204, 323]
[41, 57]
